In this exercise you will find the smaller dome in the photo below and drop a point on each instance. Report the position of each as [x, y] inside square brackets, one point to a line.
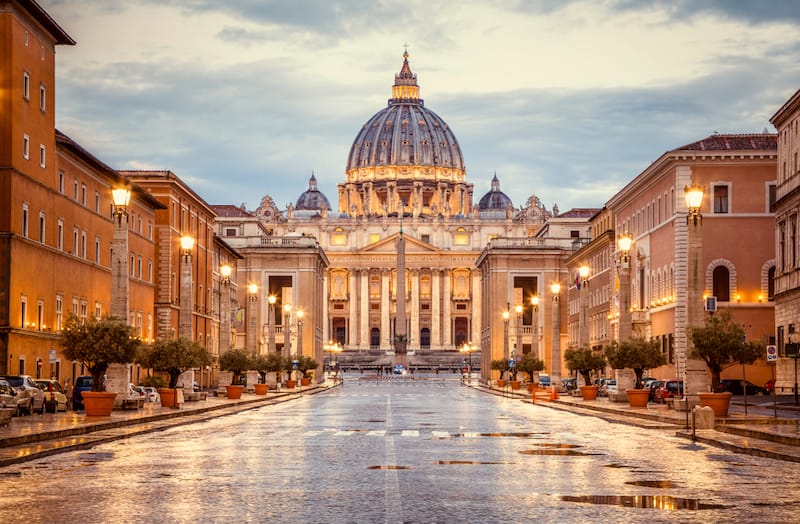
[312, 199]
[494, 199]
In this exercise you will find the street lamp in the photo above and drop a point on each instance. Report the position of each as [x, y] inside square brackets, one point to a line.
[185, 315]
[583, 334]
[120, 286]
[287, 318]
[300, 331]
[332, 348]
[555, 350]
[252, 298]
[535, 341]
[225, 271]
[466, 348]
[271, 300]
[506, 315]
[518, 344]
[625, 321]
[695, 379]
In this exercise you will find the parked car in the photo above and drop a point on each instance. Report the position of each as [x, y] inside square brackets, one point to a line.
[544, 381]
[735, 387]
[8, 395]
[27, 384]
[653, 386]
[82, 383]
[670, 389]
[399, 369]
[152, 394]
[54, 397]
[569, 383]
[136, 391]
[609, 385]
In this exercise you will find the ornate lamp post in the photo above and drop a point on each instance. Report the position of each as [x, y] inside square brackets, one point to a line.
[120, 285]
[535, 341]
[695, 379]
[466, 349]
[272, 299]
[506, 315]
[555, 350]
[252, 305]
[583, 333]
[332, 348]
[185, 316]
[225, 271]
[518, 344]
[625, 322]
[300, 331]
[287, 329]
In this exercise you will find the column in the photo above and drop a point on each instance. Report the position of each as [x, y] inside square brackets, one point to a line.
[436, 302]
[353, 323]
[447, 321]
[414, 335]
[385, 309]
[555, 351]
[477, 310]
[363, 342]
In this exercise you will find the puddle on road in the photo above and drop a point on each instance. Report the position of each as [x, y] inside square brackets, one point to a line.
[376, 421]
[559, 445]
[468, 462]
[663, 484]
[558, 452]
[388, 467]
[644, 502]
[97, 457]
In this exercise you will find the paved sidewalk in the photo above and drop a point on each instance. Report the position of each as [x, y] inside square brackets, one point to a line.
[36, 436]
[757, 432]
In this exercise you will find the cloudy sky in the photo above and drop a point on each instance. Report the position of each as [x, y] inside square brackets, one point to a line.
[568, 100]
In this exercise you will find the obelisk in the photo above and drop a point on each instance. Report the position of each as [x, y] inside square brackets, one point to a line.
[400, 332]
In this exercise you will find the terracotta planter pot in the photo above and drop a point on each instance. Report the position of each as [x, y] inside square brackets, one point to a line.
[589, 392]
[305, 381]
[98, 403]
[501, 383]
[637, 398]
[234, 392]
[291, 384]
[719, 402]
[261, 389]
[515, 384]
[168, 397]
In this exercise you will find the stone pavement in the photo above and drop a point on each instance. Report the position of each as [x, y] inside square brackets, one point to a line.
[36, 436]
[757, 432]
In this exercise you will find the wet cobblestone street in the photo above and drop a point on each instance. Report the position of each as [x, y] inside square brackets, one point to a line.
[403, 451]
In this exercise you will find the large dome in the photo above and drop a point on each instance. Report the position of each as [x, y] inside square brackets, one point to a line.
[312, 199]
[495, 199]
[405, 133]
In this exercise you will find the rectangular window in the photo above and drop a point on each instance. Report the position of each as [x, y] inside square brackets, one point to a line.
[40, 315]
[720, 199]
[97, 250]
[139, 324]
[149, 270]
[133, 266]
[139, 268]
[26, 147]
[75, 245]
[98, 310]
[60, 234]
[42, 156]
[772, 197]
[42, 97]
[96, 202]
[75, 306]
[59, 312]
[41, 226]
[140, 225]
[26, 85]
[83, 194]
[61, 182]
[83, 244]
[25, 220]
[23, 311]
[84, 311]
[75, 190]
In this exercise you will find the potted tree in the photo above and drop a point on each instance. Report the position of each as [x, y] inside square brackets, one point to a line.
[500, 365]
[96, 344]
[637, 354]
[235, 360]
[305, 365]
[288, 366]
[721, 343]
[530, 365]
[173, 356]
[584, 361]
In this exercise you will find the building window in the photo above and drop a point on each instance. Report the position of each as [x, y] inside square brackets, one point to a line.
[460, 237]
[139, 223]
[721, 199]
[26, 147]
[75, 245]
[61, 182]
[26, 85]
[149, 326]
[426, 238]
[40, 315]
[75, 306]
[231, 232]
[25, 220]
[139, 268]
[60, 234]
[139, 324]
[59, 312]
[98, 310]
[149, 230]
[75, 189]
[42, 97]
[84, 311]
[41, 226]
[42, 156]
[96, 202]
[23, 311]
[722, 284]
[792, 242]
[149, 270]
[339, 237]
[83, 194]
[97, 250]
[83, 244]
[771, 197]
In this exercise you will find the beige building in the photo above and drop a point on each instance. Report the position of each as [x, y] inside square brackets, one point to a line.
[787, 249]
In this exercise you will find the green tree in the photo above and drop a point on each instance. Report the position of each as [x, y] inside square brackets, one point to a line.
[235, 360]
[305, 363]
[530, 365]
[267, 363]
[721, 343]
[174, 357]
[637, 354]
[99, 343]
[500, 365]
[584, 361]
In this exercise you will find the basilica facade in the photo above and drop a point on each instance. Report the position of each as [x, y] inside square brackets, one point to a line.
[404, 175]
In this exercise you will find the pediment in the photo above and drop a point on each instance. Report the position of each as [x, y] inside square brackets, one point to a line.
[389, 245]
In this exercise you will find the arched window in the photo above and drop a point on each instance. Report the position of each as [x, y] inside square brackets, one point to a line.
[722, 284]
[425, 338]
